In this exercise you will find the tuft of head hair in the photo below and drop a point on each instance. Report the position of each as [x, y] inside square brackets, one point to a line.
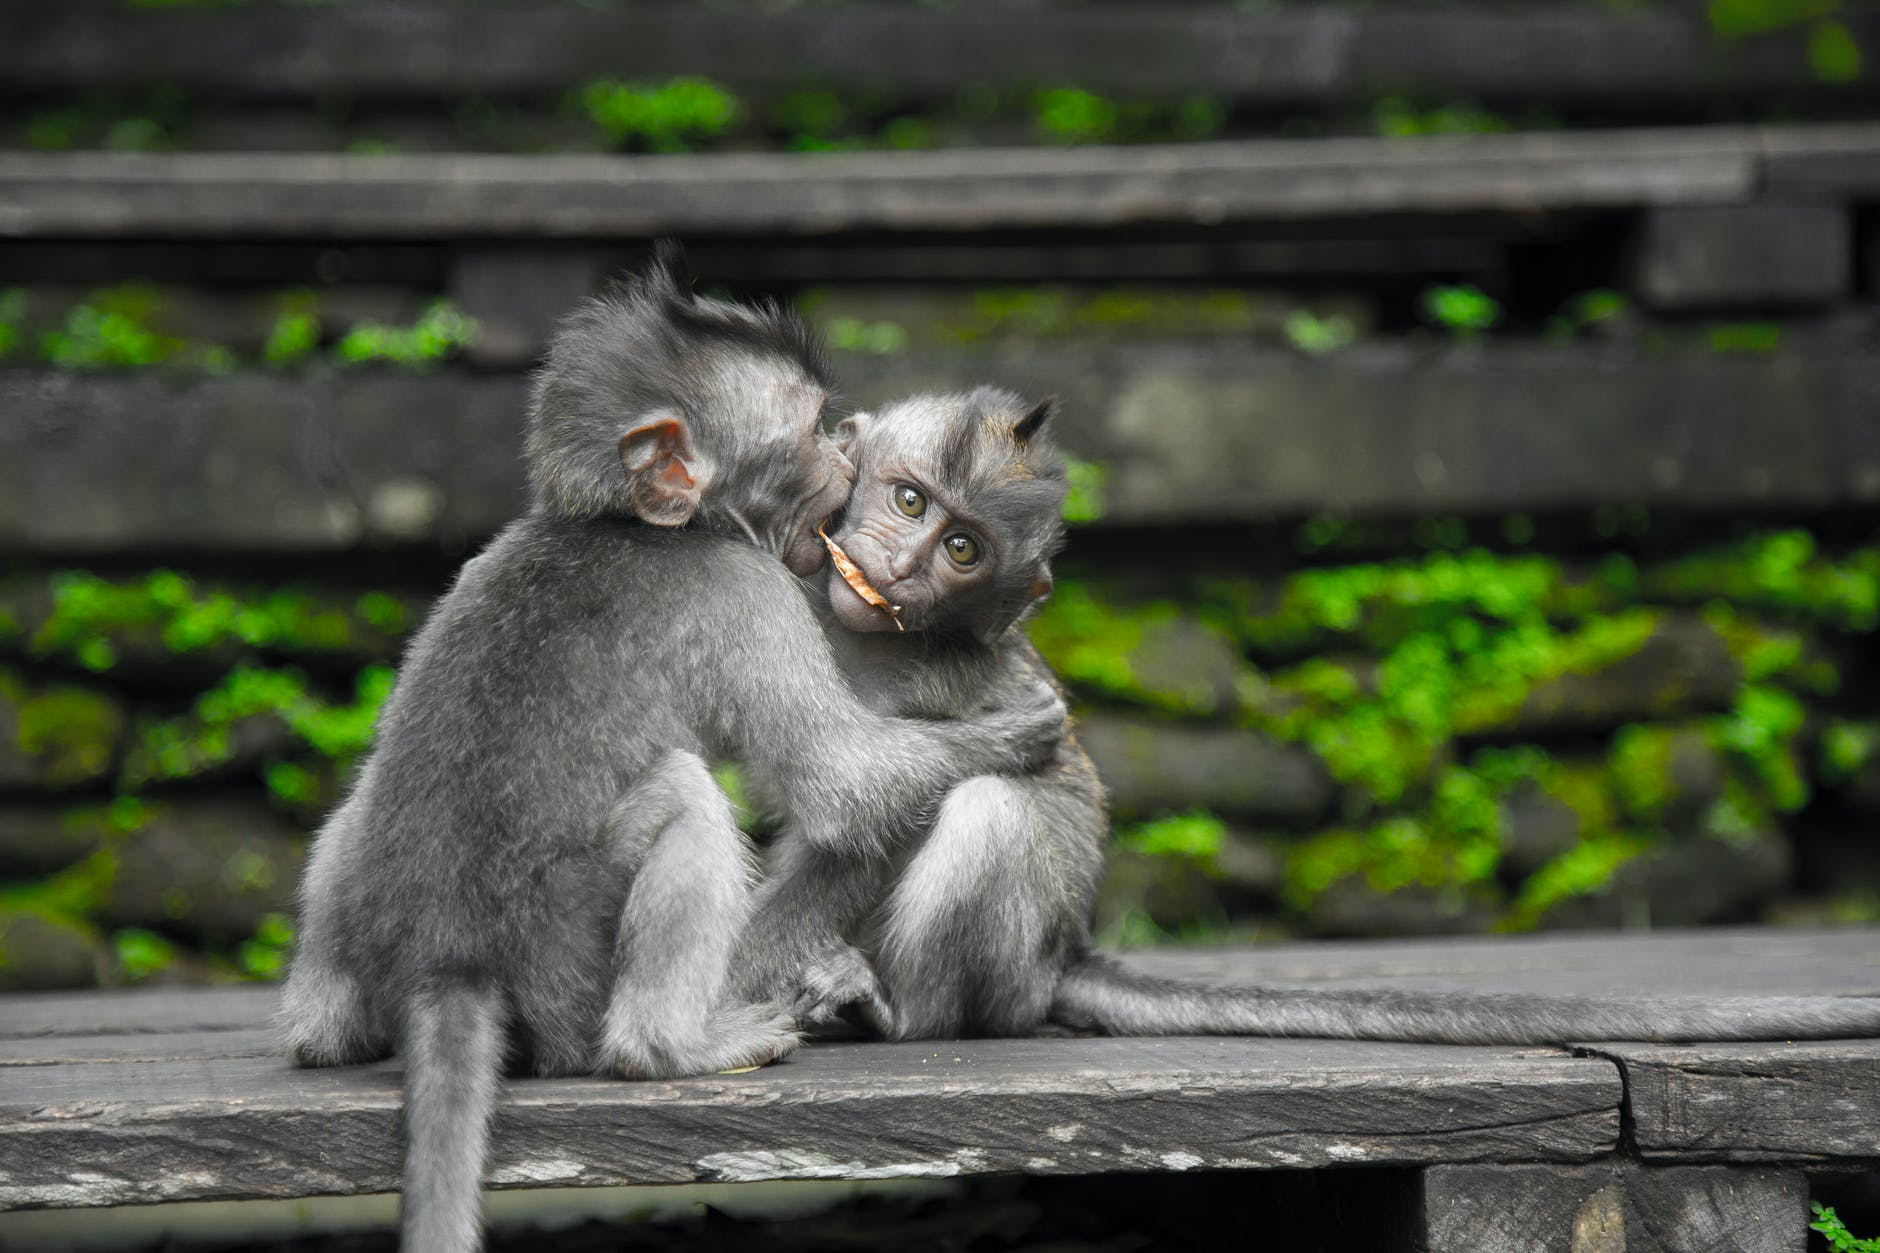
[645, 346]
[996, 451]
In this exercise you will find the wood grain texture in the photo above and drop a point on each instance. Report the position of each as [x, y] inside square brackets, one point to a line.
[1614, 1208]
[1298, 55]
[1803, 1102]
[96, 1134]
[429, 196]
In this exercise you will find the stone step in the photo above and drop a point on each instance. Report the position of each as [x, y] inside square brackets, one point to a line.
[1221, 432]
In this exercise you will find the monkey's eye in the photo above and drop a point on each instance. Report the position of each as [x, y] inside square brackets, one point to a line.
[910, 501]
[962, 548]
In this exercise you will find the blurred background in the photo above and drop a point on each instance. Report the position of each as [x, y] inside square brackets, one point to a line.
[1474, 405]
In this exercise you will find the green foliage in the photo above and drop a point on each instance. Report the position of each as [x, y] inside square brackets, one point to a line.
[70, 731]
[12, 311]
[1835, 1232]
[111, 330]
[1397, 118]
[1590, 310]
[1071, 115]
[93, 618]
[1316, 336]
[1464, 311]
[1833, 55]
[440, 331]
[293, 338]
[663, 117]
[1779, 572]
[265, 955]
[1085, 500]
[1734, 19]
[876, 338]
[1051, 311]
[1194, 835]
[1744, 338]
[142, 953]
[1846, 747]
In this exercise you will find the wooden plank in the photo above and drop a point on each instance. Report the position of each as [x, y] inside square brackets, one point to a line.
[1613, 1207]
[1810, 1102]
[137, 1048]
[1295, 55]
[433, 196]
[174, 1130]
[1719, 961]
[134, 1012]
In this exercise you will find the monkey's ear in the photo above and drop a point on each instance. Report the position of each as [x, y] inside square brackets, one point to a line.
[1034, 421]
[1040, 588]
[847, 431]
[665, 475]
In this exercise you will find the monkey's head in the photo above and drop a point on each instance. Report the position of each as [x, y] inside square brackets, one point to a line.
[672, 408]
[955, 515]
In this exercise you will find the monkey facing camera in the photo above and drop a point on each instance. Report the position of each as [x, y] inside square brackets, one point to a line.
[982, 926]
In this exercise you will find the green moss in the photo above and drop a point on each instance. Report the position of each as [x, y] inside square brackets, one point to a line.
[1397, 118]
[112, 330]
[1744, 338]
[1582, 870]
[1085, 501]
[1196, 836]
[1781, 572]
[1762, 731]
[78, 891]
[71, 732]
[662, 117]
[1464, 311]
[142, 953]
[440, 332]
[181, 747]
[93, 618]
[264, 956]
[1846, 747]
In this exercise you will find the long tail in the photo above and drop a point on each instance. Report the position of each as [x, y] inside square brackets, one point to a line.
[453, 1046]
[1097, 993]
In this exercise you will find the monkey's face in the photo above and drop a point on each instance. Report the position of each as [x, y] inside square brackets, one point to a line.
[947, 520]
[779, 477]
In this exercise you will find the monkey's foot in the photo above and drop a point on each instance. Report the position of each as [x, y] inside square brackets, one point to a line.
[737, 1037]
[836, 981]
[325, 1022]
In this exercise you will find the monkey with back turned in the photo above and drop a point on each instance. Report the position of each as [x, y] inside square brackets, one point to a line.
[979, 924]
[535, 870]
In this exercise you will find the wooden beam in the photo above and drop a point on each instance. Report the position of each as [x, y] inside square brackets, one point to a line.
[444, 196]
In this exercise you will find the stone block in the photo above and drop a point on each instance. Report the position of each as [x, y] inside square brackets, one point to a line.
[1747, 256]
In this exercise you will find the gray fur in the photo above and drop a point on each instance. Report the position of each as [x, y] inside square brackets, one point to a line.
[979, 925]
[534, 853]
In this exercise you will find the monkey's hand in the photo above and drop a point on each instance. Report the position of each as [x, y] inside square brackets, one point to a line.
[1027, 729]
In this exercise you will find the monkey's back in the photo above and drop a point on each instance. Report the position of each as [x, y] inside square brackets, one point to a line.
[557, 670]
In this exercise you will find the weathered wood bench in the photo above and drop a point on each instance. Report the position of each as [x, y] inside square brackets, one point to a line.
[162, 1095]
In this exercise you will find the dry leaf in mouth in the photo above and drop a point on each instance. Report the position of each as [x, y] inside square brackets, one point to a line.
[853, 576]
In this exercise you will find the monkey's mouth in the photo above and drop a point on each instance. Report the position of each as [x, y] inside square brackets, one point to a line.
[852, 577]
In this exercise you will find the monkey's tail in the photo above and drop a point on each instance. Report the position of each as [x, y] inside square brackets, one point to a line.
[453, 1046]
[1098, 993]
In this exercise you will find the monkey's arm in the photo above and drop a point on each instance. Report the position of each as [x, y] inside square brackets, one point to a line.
[848, 776]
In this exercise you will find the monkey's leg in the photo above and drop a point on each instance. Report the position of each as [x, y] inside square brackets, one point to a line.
[324, 1012]
[972, 935]
[794, 949]
[667, 1014]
